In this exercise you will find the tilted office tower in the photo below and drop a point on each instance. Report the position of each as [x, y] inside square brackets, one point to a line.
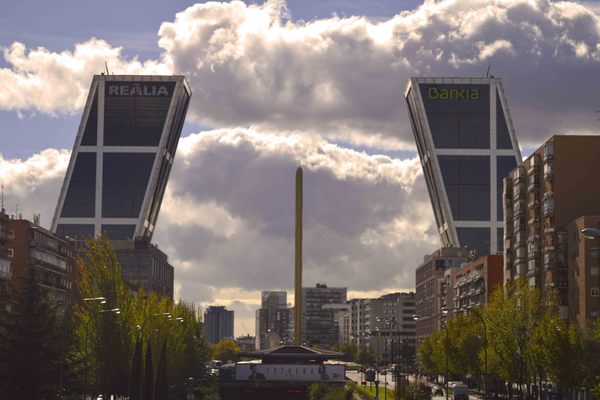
[122, 156]
[467, 145]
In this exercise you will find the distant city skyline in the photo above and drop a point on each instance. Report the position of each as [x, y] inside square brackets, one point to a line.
[277, 85]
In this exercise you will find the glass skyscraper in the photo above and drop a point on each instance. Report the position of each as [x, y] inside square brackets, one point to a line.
[467, 145]
[122, 156]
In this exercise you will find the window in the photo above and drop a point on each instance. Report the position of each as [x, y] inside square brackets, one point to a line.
[504, 164]
[458, 115]
[124, 181]
[467, 184]
[594, 252]
[502, 134]
[477, 239]
[132, 118]
[76, 231]
[118, 232]
[80, 200]
[595, 292]
[90, 133]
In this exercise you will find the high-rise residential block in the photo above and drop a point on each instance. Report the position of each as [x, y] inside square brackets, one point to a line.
[218, 324]
[273, 320]
[318, 323]
[467, 144]
[553, 187]
[122, 156]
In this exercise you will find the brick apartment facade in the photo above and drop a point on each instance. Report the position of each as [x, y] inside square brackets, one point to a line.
[473, 283]
[546, 193]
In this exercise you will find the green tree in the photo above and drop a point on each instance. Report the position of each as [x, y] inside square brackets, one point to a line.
[365, 355]
[106, 341]
[31, 344]
[161, 389]
[135, 386]
[594, 373]
[512, 318]
[226, 350]
[148, 389]
[349, 349]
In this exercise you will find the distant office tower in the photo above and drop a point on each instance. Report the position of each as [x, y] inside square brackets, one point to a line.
[467, 144]
[218, 324]
[549, 198]
[318, 323]
[122, 156]
[273, 320]
[144, 266]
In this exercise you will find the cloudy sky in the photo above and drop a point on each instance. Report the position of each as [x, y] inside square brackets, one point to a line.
[276, 84]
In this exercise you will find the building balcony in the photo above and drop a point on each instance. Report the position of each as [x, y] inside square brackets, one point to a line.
[549, 174]
[533, 253]
[533, 186]
[6, 253]
[519, 194]
[534, 167]
[549, 230]
[548, 195]
[562, 283]
[533, 221]
[6, 235]
[549, 152]
[549, 262]
[519, 180]
[519, 205]
[533, 203]
[5, 276]
[548, 210]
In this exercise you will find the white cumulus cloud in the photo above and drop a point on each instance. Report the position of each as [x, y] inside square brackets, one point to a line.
[342, 78]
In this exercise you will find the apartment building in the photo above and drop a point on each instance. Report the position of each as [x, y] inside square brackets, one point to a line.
[545, 194]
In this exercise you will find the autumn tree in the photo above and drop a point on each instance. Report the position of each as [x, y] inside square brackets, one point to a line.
[226, 350]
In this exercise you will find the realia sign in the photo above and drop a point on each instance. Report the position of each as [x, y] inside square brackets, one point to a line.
[149, 89]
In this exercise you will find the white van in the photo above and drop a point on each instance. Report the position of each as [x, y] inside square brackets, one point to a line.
[458, 390]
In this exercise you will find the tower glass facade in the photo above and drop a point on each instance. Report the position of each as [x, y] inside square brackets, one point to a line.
[122, 156]
[467, 144]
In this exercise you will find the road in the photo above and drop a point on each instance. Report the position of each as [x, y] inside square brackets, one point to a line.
[356, 377]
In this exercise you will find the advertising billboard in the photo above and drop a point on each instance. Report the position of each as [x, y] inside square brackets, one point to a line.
[290, 372]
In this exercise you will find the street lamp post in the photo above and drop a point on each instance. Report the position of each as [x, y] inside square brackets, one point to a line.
[100, 300]
[392, 321]
[416, 318]
[485, 345]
